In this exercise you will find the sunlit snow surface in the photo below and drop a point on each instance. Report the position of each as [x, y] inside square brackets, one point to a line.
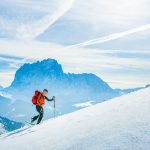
[122, 123]
[82, 105]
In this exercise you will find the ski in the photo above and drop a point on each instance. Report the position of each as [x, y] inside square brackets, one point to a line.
[29, 123]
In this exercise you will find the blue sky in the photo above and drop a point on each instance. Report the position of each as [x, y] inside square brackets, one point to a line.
[108, 38]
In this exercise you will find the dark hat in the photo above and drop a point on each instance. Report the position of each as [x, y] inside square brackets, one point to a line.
[45, 90]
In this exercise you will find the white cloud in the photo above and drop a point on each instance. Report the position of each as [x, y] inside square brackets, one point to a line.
[115, 12]
[33, 28]
[111, 16]
[101, 62]
[9, 59]
[6, 78]
[38, 27]
[111, 37]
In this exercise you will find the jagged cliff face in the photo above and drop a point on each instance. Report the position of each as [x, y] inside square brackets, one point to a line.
[37, 73]
[49, 74]
[69, 89]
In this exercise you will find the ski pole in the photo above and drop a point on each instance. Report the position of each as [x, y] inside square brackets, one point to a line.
[54, 105]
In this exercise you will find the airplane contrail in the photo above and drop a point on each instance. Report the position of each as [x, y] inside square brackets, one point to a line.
[33, 30]
[106, 38]
[110, 37]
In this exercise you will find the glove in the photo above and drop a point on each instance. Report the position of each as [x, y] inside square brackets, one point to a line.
[53, 98]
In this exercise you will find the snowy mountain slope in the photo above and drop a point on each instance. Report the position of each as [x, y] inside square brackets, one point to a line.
[1, 87]
[119, 124]
[14, 109]
[2, 129]
[10, 125]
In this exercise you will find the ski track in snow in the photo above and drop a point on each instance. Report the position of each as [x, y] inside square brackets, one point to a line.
[122, 123]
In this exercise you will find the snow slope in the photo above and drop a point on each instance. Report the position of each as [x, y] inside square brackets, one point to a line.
[122, 123]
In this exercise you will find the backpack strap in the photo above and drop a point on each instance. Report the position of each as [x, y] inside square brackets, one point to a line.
[39, 97]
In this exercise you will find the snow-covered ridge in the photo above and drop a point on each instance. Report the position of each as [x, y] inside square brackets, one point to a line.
[119, 124]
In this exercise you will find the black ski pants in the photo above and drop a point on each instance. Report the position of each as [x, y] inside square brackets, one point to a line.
[39, 109]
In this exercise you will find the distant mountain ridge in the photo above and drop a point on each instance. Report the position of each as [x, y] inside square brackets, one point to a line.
[10, 125]
[69, 89]
[1, 87]
[49, 74]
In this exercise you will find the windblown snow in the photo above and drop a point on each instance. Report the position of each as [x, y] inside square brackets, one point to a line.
[122, 123]
[82, 105]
